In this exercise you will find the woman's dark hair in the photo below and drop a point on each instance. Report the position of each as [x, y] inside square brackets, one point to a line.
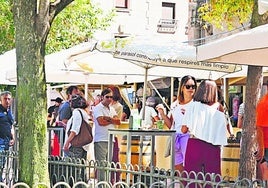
[78, 101]
[207, 92]
[70, 89]
[106, 91]
[116, 93]
[183, 81]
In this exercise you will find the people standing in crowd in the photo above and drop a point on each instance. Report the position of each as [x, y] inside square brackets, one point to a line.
[55, 141]
[50, 111]
[220, 100]
[65, 111]
[115, 103]
[224, 109]
[207, 125]
[150, 114]
[262, 136]
[174, 118]
[240, 115]
[105, 117]
[53, 111]
[79, 104]
[7, 137]
[126, 113]
[96, 101]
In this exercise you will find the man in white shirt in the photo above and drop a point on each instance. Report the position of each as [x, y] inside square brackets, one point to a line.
[104, 118]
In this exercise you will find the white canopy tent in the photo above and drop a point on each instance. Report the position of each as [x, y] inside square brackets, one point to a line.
[80, 65]
[104, 69]
[164, 55]
[162, 51]
[245, 48]
[262, 6]
[7, 63]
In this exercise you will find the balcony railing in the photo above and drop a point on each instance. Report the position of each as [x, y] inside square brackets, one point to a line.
[167, 26]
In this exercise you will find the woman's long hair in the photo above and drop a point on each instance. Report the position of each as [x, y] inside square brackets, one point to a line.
[116, 93]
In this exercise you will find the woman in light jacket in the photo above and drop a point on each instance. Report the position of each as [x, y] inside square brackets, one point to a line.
[206, 122]
[79, 105]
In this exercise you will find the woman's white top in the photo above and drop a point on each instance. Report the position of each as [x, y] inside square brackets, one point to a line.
[178, 110]
[76, 121]
[206, 123]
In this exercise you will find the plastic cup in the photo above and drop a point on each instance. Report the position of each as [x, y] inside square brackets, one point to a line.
[160, 124]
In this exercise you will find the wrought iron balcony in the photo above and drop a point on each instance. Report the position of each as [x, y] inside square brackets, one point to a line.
[167, 26]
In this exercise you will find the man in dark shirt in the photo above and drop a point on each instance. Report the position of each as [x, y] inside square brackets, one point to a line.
[6, 126]
[65, 111]
[53, 111]
[50, 110]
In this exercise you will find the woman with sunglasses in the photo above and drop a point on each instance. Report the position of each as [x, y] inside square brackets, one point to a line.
[206, 122]
[173, 120]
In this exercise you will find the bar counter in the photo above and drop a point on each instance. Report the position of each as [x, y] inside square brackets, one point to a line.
[153, 133]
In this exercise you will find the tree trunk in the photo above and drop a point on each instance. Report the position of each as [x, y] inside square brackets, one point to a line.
[247, 167]
[32, 21]
[247, 164]
[31, 93]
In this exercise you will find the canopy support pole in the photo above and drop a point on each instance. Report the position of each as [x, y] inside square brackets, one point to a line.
[171, 89]
[144, 92]
[161, 97]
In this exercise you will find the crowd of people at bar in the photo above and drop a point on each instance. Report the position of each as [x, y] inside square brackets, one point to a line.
[196, 113]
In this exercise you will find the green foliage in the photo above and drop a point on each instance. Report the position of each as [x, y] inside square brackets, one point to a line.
[10, 88]
[73, 25]
[76, 24]
[112, 45]
[226, 13]
[7, 31]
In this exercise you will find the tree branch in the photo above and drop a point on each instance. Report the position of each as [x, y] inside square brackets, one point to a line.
[46, 12]
[56, 7]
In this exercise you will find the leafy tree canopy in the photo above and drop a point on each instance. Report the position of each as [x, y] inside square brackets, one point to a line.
[7, 31]
[75, 24]
[226, 13]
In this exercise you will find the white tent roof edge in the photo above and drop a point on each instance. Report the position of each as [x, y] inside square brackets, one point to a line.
[248, 47]
[263, 6]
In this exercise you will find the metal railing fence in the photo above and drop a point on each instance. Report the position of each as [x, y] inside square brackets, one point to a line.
[70, 172]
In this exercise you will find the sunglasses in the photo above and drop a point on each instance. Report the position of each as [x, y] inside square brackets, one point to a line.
[107, 97]
[190, 86]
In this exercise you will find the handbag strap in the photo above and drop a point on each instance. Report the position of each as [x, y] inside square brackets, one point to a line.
[84, 121]
[81, 115]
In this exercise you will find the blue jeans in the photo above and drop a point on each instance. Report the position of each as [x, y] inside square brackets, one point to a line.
[4, 146]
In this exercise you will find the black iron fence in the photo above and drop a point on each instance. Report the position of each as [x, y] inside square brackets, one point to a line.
[67, 172]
